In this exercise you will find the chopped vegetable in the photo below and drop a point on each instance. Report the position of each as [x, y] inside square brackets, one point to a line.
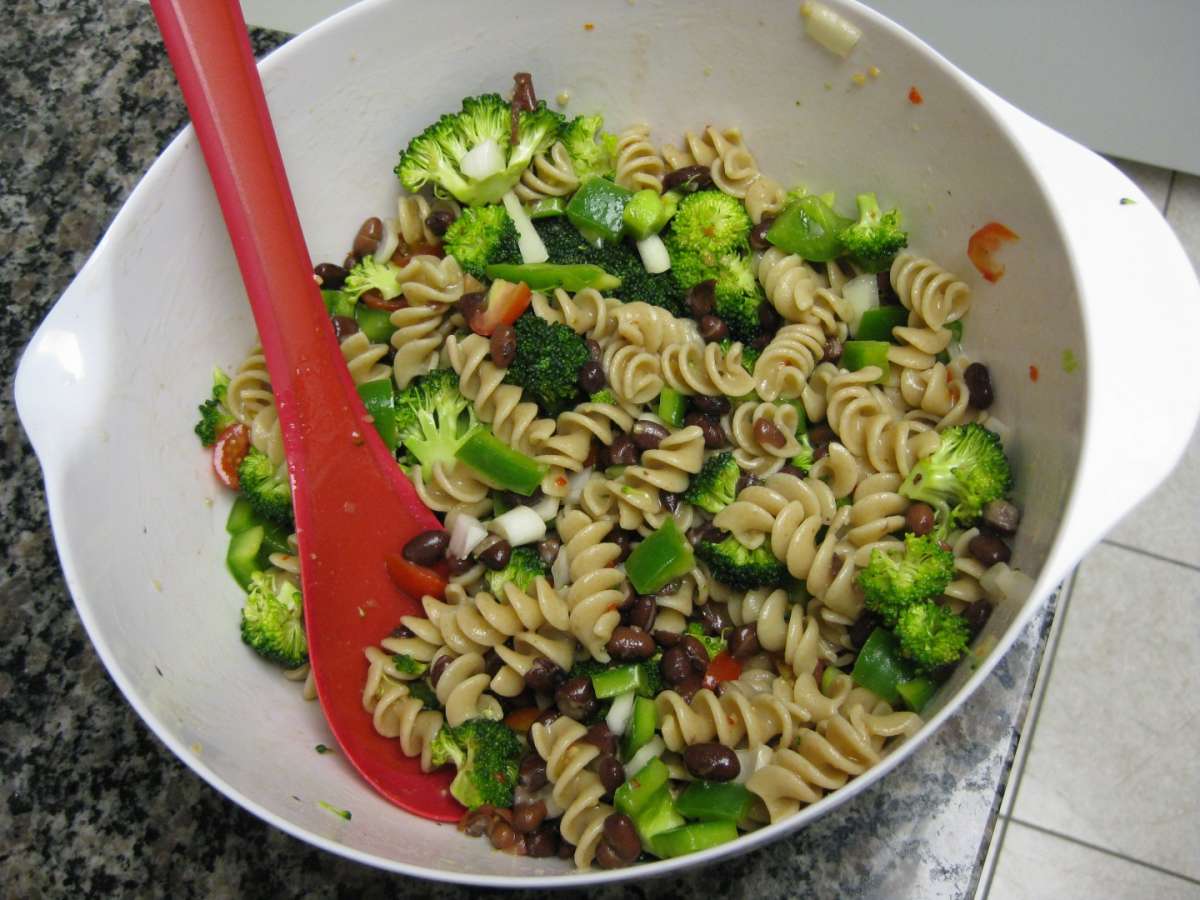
[482, 236]
[659, 559]
[809, 226]
[862, 297]
[830, 30]
[877, 324]
[875, 239]
[547, 363]
[486, 754]
[376, 324]
[714, 801]
[548, 207]
[714, 487]
[592, 151]
[641, 727]
[739, 567]
[931, 635]
[598, 210]
[655, 256]
[861, 354]
[434, 420]
[505, 304]
[880, 668]
[982, 246]
[379, 398]
[893, 581]
[523, 568]
[632, 797]
[272, 623]
[519, 526]
[671, 407]
[501, 465]
[648, 212]
[528, 240]
[967, 471]
[266, 486]
[340, 813]
[548, 276]
[229, 450]
[692, 838]
[214, 416]
[414, 580]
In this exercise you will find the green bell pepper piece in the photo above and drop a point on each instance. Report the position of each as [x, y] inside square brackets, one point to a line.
[641, 726]
[658, 815]
[647, 212]
[548, 208]
[548, 276]
[916, 693]
[242, 558]
[692, 838]
[376, 324]
[877, 324]
[661, 558]
[714, 800]
[616, 681]
[830, 673]
[671, 407]
[598, 210]
[860, 354]
[503, 466]
[880, 667]
[241, 517]
[338, 303]
[380, 400]
[809, 227]
[633, 796]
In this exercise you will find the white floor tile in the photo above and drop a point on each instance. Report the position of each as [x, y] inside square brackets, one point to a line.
[1167, 523]
[1153, 181]
[1113, 760]
[1035, 865]
[1184, 214]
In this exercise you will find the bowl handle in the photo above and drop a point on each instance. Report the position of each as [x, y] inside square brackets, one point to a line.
[1137, 286]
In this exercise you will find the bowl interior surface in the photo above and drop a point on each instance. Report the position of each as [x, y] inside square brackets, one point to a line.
[124, 367]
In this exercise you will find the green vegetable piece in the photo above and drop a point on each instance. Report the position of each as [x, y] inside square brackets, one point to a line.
[714, 801]
[499, 505]
[546, 366]
[967, 471]
[482, 236]
[827, 677]
[339, 303]
[880, 667]
[272, 623]
[486, 754]
[893, 581]
[658, 815]
[860, 354]
[633, 796]
[242, 556]
[877, 323]
[592, 150]
[809, 227]
[524, 567]
[275, 540]
[647, 212]
[508, 469]
[712, 645]
[548, 207]
[641, 726]
[380, 400]
[739, 567]
[671, 407]
[659, 559]
[376, 324]
[932, 636]
[916, 693]
[875, 239]
[598, 210]
[613, 682]
[714, 487]
[548, 276]
[340, 813]
[434, 420]
[692, 838]
[241, 517]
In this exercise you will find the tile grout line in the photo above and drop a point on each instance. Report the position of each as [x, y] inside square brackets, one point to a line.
[1170, 190]
[1099, 849]
[1032, 717]
[1167, 559]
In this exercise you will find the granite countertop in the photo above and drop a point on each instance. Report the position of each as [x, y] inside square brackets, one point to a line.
[92, 803]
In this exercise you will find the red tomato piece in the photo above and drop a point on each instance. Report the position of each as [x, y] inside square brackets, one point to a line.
[914, 96]
[505, 303]
[414, 580]
[521, 720]
[985, 242]
[229, 450]
[723, 667]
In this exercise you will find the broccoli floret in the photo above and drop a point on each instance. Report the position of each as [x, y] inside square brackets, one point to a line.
[604, 395]
[546, 366]
[735, 565]
[652, 674]
[586, 668]
[482, 236]
[421, 690]
[406, 665]
[966, 472]
[524, 565]
[592, 151]
[875, 239]
[749, 354]
[486, 754]
[931, 635]
[893, 581]
[564, 244]
[712, 645]
[272, 624]
[804, 459]
[370, 275]
[266, 487]
[738, 297]
[214, 416]
[433, 419]
[715, 485]
[484, 126]
[711, 224]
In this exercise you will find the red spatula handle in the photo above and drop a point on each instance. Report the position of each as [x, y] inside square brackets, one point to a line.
[353, 505]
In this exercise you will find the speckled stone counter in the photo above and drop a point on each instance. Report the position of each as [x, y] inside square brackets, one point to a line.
[91, 803]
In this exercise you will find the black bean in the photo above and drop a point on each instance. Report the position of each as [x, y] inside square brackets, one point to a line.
[689, 686]
[630, 644]
[457, 565]
[976, 615]
[647, 435]
[694, 653]
[427, 547]
[820, 452]
[502, 835]
[743, 642]
[918, 519]
[833, 351]
[767, 433]
[477, 822]
[593, 349]
[714, 617]
[349, 262]
[667, 639]
[523, 97]
[670, 501]
[611, 772]
[503, 346]
[543, 842]
[402, 631]
[370, 233]
[711, 406]
[989, 549]
[439, 221]
[576, 698]
[622, 451]
[591, 376]
[1002, 515]
[712, 329]
[643, 613]
[438, 667]
[619, 831]
[496, 556]
[714, 434]
[601, 737]
[688, 180]
[624, 541]
[712, 762]
[544, 675]
[760, 342]
[528, 817]
[746, 480]
[492, 663]
[758, 234]
[887, 294]
[769, 319]
[607, 856]
[979, 383]
[548, 550]
[471, 303]
[862, 628]
[821, 434]
[565, 850]
[794, 471]
[332, 275]
[675, 665]
[343, 327]
[701, 298]
[546, 719]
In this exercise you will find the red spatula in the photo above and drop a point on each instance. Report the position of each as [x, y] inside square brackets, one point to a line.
[353, 504]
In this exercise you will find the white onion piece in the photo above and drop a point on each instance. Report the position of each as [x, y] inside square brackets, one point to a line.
[482, 160]
[652, 749]
[575, 485]
[520, 525]
[391, 240]
[860, 294]
[1006, 585]
[465, 534]
[560, 572]
[547, 508]
[653, 252]
[829, 29]
[620, 713]
[528, 240]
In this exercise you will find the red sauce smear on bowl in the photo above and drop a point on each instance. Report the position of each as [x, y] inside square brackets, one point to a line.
[984, 243]
[914, 96]
[1033, 373]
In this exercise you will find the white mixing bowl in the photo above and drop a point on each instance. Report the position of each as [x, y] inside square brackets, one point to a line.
[107, 389]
